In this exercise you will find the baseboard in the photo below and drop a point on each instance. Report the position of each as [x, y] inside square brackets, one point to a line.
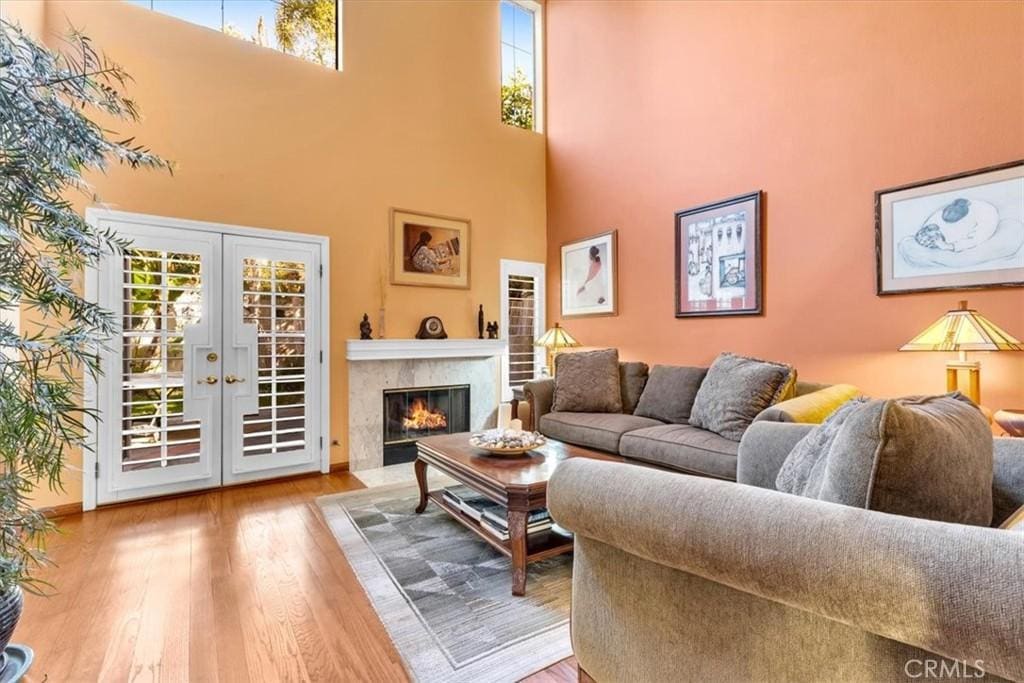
[65, 510]
[339, 467]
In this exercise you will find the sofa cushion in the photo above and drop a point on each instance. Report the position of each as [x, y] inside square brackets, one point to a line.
[669, 393]
[736, 390]
[924, 456]
[632, 380]
[587, 382]
[683, 448]
[593, 430]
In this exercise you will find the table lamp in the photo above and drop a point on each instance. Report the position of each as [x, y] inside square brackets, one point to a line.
[553, 340]
[963, 329]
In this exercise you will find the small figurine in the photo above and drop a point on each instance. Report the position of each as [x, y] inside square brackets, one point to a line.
[492, 330]
[365, 331]
[480, 322]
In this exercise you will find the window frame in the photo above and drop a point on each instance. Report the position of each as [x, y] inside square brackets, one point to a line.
[538, 271]
[536, 9]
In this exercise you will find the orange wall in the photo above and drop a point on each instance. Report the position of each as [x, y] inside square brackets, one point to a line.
[657, 106]
[262, 139]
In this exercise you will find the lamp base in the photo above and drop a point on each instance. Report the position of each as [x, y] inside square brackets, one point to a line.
[973, 368]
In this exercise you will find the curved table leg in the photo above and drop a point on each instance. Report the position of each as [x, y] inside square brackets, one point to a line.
[517, 540]
[421, 478]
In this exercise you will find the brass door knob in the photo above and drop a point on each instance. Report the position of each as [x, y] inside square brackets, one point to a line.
[231, 379]
[209, 379]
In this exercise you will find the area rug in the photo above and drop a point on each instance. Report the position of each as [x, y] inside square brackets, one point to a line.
[444, 595]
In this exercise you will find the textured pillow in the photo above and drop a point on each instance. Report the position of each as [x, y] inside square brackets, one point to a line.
[923, 456]
[1015, 522]
[632, 380]
[587, 382]
[669, 393]
[735, 390]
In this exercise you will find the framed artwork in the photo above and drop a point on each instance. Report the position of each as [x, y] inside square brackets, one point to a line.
[963, 231]
[429, 250]
[718, 258]
[589, 276]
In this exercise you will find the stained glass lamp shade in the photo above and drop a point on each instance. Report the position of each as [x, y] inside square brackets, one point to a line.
[553, 340]
[963, 329]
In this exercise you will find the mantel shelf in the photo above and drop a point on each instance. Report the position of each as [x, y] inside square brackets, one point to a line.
[404, 349]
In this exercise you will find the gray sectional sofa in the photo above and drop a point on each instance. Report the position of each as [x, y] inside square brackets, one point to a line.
[680, 578]
[669, 442]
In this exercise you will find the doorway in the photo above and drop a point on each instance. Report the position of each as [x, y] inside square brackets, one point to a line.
[216, 374]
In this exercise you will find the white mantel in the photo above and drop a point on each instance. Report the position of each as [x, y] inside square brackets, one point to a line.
[406, 349]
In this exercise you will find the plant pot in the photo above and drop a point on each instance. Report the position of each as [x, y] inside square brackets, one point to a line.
[11, 602]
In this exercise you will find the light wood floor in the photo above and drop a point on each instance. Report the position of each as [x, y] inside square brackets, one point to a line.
[239, 584]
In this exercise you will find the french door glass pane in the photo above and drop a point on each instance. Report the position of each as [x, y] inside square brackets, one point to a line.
[161, 296]
[274, 300]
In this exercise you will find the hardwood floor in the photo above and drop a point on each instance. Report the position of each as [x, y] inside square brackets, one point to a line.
[238, 584]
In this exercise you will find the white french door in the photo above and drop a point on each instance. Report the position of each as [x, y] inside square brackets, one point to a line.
[215, 375]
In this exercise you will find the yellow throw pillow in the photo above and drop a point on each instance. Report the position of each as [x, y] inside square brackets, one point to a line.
[1015, 522]
[816, 406]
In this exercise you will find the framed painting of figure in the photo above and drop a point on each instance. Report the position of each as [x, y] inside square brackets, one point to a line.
[589, 282]
[718, 258]
[429, 250]
[964, 231]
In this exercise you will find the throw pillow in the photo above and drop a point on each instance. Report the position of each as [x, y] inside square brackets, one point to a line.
[735, 390]
[632, 379]
[928, 457]
[587, 382]
[669, 393]
[1015, 522]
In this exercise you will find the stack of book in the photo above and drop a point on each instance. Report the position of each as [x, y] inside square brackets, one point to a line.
[493, 517]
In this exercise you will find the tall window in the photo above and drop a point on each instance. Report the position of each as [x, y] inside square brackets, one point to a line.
[310, 29]
[521, 67]
[522, 321]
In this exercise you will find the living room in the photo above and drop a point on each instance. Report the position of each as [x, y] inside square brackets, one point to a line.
[511, 340]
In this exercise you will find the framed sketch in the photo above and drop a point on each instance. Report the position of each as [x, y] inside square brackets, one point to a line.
[718, 258]
[429, 250]
[589, 276]
[963, 231]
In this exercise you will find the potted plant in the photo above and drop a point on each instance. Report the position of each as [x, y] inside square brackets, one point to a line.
[47, 145]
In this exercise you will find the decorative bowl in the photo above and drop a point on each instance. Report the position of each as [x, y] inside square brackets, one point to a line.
[507, 442]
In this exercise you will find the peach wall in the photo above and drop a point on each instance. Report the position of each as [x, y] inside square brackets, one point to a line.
[266, 140]
[657, 106]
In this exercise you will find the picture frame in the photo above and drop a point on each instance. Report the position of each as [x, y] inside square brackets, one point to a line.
[719, 258]
[589, 272]
[957, 232]
[429, 250]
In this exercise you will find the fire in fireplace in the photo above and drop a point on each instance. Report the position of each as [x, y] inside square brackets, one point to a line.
[411, 414]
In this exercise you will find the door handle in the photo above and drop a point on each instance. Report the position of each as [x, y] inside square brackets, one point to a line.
[231, 379]
[209, 379]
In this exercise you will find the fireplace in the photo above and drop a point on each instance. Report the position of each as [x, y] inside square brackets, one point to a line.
[411, 414]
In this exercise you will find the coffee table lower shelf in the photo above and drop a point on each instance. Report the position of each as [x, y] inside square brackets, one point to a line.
[539, 544]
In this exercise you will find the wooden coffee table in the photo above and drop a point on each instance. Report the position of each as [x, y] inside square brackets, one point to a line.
[520, 483]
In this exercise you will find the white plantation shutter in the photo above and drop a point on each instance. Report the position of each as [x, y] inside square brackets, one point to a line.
[522, 307]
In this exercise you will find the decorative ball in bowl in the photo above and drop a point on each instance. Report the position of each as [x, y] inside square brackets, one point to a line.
[506, 441]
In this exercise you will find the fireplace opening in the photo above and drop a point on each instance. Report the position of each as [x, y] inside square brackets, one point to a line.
[411, 414]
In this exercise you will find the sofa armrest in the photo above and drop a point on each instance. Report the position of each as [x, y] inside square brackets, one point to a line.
[539, 394]
[947, 588]
[812, 407]
[764, 448]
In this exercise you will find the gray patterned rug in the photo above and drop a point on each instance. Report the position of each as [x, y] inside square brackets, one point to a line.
[445, 596]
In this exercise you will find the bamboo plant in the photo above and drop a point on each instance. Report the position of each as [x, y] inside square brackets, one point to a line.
[48, 145]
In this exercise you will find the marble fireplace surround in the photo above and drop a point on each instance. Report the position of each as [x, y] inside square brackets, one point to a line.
[378, 364]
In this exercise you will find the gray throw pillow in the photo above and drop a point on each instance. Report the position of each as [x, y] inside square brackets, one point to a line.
[735, 390]
[587, 382]
[632, 379]
[923, 456]
[669, 393]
